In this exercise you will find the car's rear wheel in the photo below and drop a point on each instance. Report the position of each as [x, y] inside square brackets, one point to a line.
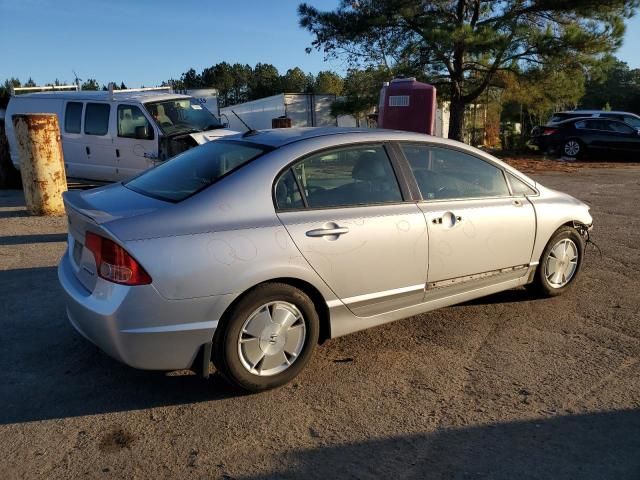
[573, 148]
[267, 338]
[560, 262]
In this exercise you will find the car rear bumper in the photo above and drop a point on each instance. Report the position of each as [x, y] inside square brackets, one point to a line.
[136, 325]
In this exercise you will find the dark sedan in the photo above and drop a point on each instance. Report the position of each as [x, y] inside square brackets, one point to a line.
[576, 137]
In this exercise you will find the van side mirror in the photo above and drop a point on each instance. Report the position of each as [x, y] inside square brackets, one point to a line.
[144, 132]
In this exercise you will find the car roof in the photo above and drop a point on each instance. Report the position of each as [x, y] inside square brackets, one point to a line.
[104, 95]
[592, 112]
[278, 137]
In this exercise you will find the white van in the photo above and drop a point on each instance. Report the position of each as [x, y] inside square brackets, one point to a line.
[116, 134]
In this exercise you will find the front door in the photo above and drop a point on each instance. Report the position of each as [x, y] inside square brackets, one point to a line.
[478, 230]
[136, 144]
[354, 228]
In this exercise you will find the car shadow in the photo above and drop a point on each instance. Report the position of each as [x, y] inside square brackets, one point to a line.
[48, 371]
[38, 238]
[508, 296]
[591, 446]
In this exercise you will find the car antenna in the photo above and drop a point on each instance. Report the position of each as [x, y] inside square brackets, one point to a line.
[250, 131]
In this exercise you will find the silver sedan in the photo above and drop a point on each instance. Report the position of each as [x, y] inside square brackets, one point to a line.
[251, 250]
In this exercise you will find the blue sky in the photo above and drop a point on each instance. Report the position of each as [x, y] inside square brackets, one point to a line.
[147, 41]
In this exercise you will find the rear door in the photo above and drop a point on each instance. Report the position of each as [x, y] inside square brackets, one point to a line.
[478, 230]
[347, 214]
[100, 159]
[135, 143]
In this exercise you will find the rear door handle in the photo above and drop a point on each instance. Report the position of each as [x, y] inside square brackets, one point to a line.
[325, 232]
[517, 203]
[88, 150]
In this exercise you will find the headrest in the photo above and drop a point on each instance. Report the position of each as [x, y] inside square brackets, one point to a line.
[370, 166]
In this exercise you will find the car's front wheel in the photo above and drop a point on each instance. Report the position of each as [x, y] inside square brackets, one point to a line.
[560, 262]
[267, 338]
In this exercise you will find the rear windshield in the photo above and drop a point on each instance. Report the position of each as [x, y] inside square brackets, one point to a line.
[194, 170]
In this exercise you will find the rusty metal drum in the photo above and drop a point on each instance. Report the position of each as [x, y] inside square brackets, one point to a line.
[41, 162]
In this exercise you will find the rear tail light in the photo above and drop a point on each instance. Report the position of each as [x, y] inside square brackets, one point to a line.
[113, 263]
[549, 131]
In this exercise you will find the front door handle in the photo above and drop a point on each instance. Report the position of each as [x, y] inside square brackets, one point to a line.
[448, 218]
[517, 203]
[326, 232]
[88, 150]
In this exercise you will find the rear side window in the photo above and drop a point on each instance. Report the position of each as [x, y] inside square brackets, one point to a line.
[287, 194]
[194, 170]
[96, 119]
[347, 177]
[442, 173]
[73, 117]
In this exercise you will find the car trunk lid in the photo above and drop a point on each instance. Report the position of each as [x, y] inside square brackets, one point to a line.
[92, 211]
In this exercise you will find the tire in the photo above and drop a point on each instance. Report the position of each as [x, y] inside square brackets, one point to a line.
[267, 337]
[573, 148]
[551, 285]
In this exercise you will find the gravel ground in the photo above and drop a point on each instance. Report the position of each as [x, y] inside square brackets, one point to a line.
[508, 386]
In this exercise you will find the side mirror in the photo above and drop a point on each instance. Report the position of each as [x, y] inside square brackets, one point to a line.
[226, 125]
[144, 132]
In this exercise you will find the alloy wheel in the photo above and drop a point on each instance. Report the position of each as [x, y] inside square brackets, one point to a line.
[572, 148]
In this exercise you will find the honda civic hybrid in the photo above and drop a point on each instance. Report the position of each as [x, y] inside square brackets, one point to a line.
[251, 250]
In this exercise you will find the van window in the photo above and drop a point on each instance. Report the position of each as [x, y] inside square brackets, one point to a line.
[73, 117]
[133, 124]
[96, 119]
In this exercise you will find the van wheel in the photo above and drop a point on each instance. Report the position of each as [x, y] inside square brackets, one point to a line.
[560, 263]
[267, 338]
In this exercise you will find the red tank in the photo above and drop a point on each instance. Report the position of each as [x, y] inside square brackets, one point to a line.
[406, 104]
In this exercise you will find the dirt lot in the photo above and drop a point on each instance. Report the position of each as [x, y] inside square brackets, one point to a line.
[505, 387]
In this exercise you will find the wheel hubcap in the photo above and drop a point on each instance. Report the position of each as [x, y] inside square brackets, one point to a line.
[271, 338]
[562, 263]
[571, 148]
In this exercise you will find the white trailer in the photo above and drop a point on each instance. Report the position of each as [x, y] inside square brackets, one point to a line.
[304, 110]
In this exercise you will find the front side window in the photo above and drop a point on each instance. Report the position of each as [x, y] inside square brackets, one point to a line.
[96, 119]
[133, 124]
[518, 187]
[620, 128]
[633, 121]
[182, 115]
[442, 173]
[194, 170]
[346, 177]
[73, 117]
